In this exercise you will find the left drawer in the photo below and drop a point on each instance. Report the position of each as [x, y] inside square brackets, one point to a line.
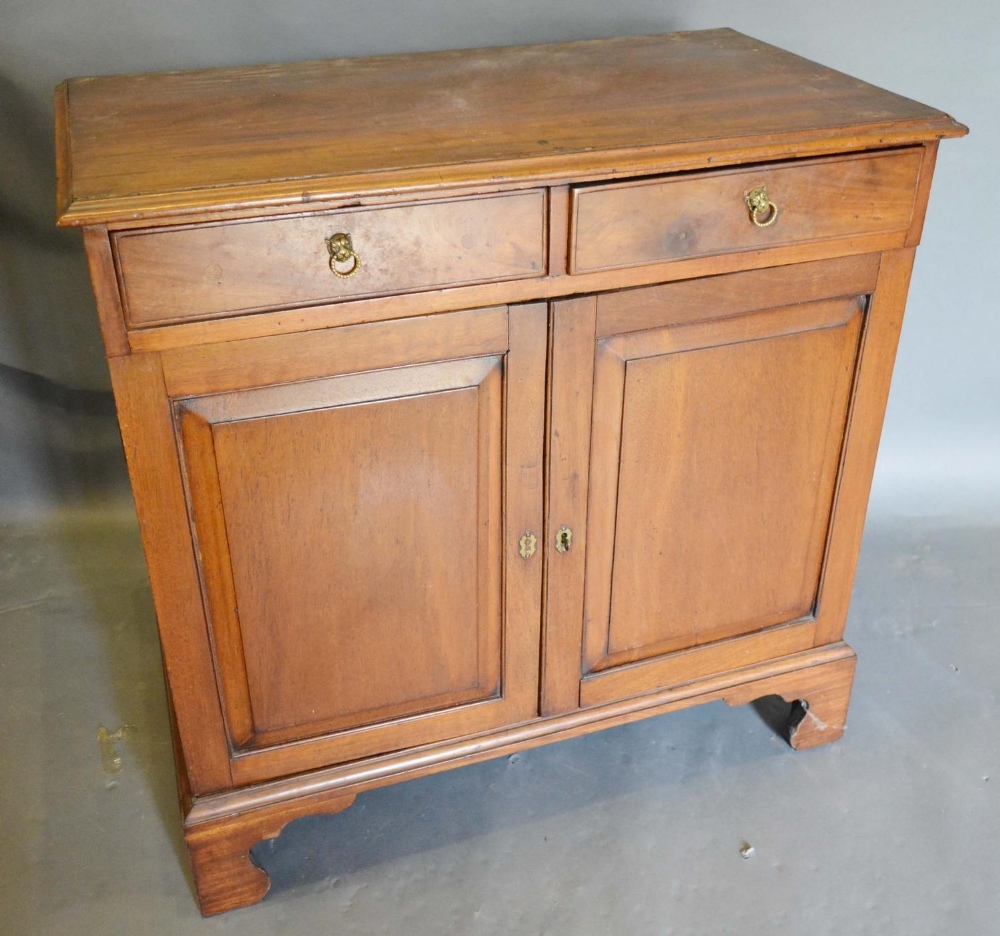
[204, 271]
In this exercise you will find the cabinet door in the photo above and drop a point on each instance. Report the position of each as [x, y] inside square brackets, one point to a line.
[717, 416]
[356, 497]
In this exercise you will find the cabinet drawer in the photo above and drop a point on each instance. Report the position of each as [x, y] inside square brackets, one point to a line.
[650, 221]
[223, 269]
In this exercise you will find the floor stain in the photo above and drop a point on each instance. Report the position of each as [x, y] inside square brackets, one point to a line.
[111, 760]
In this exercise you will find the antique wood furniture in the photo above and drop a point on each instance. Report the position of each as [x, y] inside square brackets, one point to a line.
[479, 399]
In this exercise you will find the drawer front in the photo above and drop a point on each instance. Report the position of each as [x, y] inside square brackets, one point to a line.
[628, 224]
[224, 269]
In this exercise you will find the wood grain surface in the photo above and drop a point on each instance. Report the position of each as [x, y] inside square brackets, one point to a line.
[728, 453]
[335, 626]
[410, 305]
[627, 224]
[145, 419]
[219, 831]
[570, 401]
[166, 144]
[564, 317]
[350, 532]
[196, 272]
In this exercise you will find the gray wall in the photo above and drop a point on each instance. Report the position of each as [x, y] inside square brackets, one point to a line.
[941, 449]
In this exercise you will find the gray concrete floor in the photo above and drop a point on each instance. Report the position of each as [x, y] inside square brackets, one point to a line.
[637, 830]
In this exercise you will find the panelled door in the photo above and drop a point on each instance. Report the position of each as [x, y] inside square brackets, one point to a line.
[704, 490]
[357, 497]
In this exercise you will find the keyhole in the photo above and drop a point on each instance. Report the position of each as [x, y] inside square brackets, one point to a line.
[564, 539]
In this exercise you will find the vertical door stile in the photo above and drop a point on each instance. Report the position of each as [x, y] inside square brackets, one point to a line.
[574, 324]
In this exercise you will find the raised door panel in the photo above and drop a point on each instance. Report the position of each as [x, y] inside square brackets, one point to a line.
[718, 412]
[351, 534]
[722, 473]
[714, 463]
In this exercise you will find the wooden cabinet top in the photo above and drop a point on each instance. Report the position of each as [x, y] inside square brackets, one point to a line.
[177, 144]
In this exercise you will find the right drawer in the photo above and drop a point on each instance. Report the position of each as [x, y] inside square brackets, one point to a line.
[623, 224]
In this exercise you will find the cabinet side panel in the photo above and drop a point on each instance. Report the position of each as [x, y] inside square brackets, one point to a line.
[104, 281]
[923, 194]
[150, 450]
[878, 354]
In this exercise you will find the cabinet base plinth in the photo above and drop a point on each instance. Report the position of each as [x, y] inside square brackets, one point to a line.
[225, 875]
[819, 697]
[221, 829]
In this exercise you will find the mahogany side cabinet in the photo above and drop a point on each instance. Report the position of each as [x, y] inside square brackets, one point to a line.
[474, 400]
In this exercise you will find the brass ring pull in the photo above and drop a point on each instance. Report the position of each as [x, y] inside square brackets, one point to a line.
[759, 204]
[342, 251]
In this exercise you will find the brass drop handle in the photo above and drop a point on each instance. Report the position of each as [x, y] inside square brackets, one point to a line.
[760, 205]
[342, 251]
[564, 539]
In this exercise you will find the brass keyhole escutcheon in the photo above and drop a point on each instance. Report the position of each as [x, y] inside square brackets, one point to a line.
[564, 539]
[763, 211]
[342, 251]
[526, 545]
